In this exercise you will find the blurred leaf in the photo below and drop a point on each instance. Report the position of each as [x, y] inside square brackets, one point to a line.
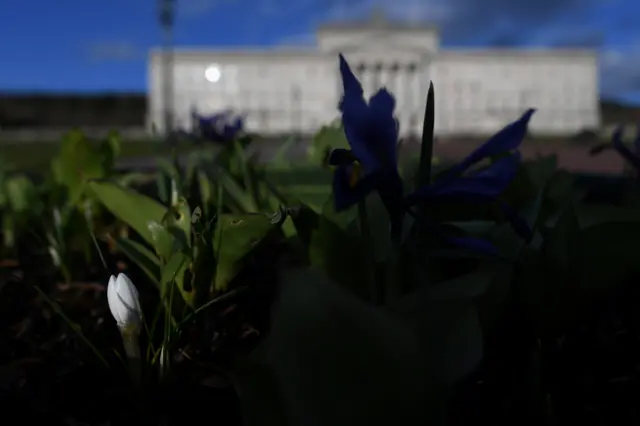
[173, 272]
[243, 198]
[547, 284]
[324, 349]
[449, 331]
[8, 230]
[465, 287]
[333, 248]
[133, 208]
[110, 149]
[22, 195]
[203, 271]
[235, 237]
[207, 191]
[598, 214]
[327, 138]
[281, 156]
[78, 162]
[177, 220]
[144, 258]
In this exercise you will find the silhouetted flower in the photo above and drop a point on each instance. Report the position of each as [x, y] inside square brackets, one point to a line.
[484, 185]
[632, 157]
[220, 128]
[371, 162]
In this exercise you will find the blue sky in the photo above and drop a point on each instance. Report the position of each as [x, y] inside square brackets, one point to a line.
[79, 45]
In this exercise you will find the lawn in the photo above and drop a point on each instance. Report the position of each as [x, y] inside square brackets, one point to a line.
[36, 155]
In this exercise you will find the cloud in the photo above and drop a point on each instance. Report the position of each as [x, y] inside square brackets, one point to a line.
[620, 71]
[114, 51]
[606, 25]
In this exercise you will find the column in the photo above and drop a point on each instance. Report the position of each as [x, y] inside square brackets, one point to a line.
[367, 80]
[377, 77]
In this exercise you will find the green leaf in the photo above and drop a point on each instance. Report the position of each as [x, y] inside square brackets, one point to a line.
[235, 237]
[164, 242]
[78, 162]
[609, 257]
[598, 214]
[449, 332]
[324, 348]
[327, 138]
[333, 248]
[547, 283]
[426, 147]
[173, 272]
[21, 195]
[203, 270]
[465, 287]
[207, 191]
[243, 198]
[281, 156]
[144, 258]
[8, 230]
[177, 220]
[133, 208]
[563, 242]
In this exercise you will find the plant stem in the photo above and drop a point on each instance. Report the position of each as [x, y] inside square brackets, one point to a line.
[131, 344]
[375, 289]
[392, 283]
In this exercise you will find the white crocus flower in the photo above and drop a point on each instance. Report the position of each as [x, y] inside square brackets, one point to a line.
[124, 304]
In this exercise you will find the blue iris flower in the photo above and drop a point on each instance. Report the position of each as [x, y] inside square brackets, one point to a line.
[372, 162]
[632, 157]
[219, 128]
[484, 185]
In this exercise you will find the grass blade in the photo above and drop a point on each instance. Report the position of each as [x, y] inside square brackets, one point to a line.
[426, 148]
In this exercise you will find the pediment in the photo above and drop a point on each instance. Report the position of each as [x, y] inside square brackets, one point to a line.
[380, 45]
[382, 50]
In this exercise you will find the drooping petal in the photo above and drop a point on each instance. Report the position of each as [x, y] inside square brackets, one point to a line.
[624, 150]
[346, 193]
[509, 138]
[489, 182]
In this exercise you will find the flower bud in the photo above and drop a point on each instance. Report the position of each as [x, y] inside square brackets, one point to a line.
[124, 304]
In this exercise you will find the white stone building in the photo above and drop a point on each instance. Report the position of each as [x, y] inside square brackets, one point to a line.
[297, 90]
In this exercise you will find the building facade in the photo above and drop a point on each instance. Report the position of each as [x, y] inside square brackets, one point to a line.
[297, 90]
